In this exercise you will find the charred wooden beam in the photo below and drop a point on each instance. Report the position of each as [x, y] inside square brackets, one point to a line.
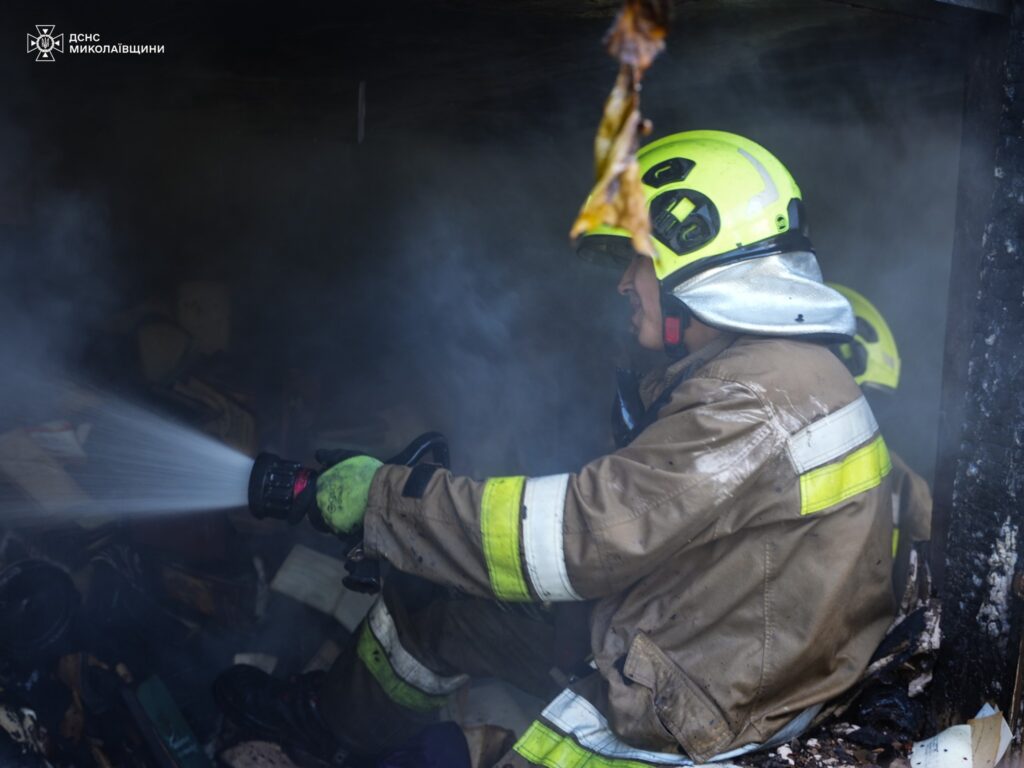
[980, 489]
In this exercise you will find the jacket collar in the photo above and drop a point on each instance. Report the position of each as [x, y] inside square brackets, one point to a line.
[662, 382]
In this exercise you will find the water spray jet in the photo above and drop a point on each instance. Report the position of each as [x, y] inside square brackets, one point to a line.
[113, 459]
[130, 461]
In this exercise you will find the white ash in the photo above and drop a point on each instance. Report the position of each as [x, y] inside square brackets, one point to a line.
[994, 614]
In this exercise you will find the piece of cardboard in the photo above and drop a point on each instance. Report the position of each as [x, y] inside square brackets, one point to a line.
[315, 579]
[324, 657]
[950, 748]
[981, 743]
[38, 475]
[59, 439]
[256, 754]
[990, 737]
[264, 661]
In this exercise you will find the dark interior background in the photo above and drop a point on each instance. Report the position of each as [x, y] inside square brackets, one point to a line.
[425, 269]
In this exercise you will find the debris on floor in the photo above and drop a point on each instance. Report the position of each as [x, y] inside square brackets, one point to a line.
[981, 743]
[163, 726]
[324, 657]
[112, 628]
[111, 635]
[315, 579]
[20, 741]
[256, 754]
[827, 747]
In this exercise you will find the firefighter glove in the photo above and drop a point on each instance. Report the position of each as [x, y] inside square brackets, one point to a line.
[343, 490]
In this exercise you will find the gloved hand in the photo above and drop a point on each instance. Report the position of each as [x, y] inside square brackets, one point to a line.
[343, 490]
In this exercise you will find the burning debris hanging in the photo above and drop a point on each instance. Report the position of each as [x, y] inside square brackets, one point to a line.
[617, 199]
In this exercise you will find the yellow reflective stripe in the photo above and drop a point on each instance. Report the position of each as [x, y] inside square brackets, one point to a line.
[373, 655]
[829, 485]
[895, 540]
[499, 528]
[543, 746]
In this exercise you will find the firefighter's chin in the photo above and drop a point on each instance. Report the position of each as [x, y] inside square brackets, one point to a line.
[647, 331]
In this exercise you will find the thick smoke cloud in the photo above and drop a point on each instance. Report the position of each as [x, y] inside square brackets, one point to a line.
[426, 272]
[56, 275]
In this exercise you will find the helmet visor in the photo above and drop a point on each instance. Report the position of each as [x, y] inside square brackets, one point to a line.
[606, 250]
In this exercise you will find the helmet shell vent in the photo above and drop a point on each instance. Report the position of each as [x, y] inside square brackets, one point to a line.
[668, 172]
[684, 220]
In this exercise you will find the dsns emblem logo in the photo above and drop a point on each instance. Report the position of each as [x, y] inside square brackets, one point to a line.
[45, 43]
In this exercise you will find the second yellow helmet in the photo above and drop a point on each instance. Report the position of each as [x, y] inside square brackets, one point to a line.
[871, 356]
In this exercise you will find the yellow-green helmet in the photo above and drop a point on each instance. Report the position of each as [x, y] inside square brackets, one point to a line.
[872, 356]
[714, 198]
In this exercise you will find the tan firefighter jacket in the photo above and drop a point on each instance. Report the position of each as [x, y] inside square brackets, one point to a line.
[739, 549]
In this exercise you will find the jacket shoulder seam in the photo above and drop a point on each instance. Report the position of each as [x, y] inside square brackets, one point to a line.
[716, 376]
[711, 375]
[767, 427]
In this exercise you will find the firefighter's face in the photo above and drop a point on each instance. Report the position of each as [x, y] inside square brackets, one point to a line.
[639, 284]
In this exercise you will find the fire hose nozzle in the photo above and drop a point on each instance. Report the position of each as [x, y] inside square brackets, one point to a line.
[286, 490]
[281, 489]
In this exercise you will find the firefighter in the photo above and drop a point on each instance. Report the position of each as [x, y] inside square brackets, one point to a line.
[736, 550]
[873, 359]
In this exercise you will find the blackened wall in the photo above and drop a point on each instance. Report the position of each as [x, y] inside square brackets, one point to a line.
[980, 656]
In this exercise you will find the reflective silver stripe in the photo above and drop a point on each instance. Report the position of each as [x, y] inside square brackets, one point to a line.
[544, 501]
[827, 439]
[406, 666]
[573, 715]
[768, 195]
[790, 731]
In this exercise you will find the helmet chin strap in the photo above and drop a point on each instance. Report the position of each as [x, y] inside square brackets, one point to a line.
[675, 317]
